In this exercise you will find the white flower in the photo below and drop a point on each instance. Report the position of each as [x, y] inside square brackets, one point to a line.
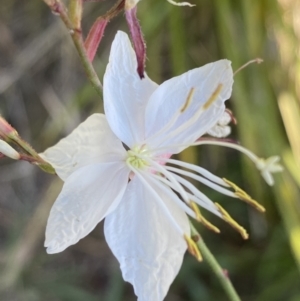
[146, 224]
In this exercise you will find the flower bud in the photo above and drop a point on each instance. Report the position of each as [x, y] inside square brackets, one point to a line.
[6, 130]
[137, 39]
[8, 151]
[94, 37]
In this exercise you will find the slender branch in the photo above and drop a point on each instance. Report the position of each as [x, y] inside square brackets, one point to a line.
[89, 69]
[58, 8]
[219, 272]
[33, 156]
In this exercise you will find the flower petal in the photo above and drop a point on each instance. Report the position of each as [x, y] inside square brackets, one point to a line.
[125, 94]
[171, 96]
[92, 141]
[148, 246]
[88, 195]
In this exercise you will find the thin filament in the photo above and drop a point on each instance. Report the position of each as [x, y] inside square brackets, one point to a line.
[197, 196]
[197, 169]
[158, 199]
[169, 175]
[163, 187]
[203, 181]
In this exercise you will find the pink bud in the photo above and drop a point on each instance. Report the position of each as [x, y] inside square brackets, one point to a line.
[138, 40]
[94, 37]
[6, 129]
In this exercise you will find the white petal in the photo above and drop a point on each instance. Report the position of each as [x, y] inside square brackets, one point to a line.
[88, 195]
[225, 119]
[148, 246]
[125, 94]
[219, 131]
[171, 96]
[91, 142]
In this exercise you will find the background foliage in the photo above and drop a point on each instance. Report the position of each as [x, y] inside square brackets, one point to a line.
[44, 94]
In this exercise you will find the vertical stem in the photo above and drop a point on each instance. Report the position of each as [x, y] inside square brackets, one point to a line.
[58, 8]
[211, 260]
[89, 69]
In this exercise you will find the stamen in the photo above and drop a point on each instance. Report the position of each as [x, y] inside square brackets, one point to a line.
[241, 194]
[188, 100]
[171, 194]
[158, 199]
[192, 248]
[265, 166]
[227, 218]
[202, 180]
[213, 97]
[169, 176]
[198, 197]
[197, 169]
[202, 219]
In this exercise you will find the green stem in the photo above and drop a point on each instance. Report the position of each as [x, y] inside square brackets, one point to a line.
[211, 260]
[58, 8]
[33, 157]
[89, 69]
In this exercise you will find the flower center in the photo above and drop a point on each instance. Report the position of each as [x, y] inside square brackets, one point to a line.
[136, 157]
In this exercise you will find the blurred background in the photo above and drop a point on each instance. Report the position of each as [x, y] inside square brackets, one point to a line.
[44, 94]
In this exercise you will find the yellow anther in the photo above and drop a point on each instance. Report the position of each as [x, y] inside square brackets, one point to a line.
[213, 97]
[192, 248]
[200, 218]
[188, 100]
[242, 195]
[227, 218]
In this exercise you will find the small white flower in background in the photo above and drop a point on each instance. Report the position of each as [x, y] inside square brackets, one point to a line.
[146, 224]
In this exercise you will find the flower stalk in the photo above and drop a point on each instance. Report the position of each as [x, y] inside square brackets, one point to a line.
[214, 265]
[8, 136]
[33, 156]
[75, 12]
[58, 8]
